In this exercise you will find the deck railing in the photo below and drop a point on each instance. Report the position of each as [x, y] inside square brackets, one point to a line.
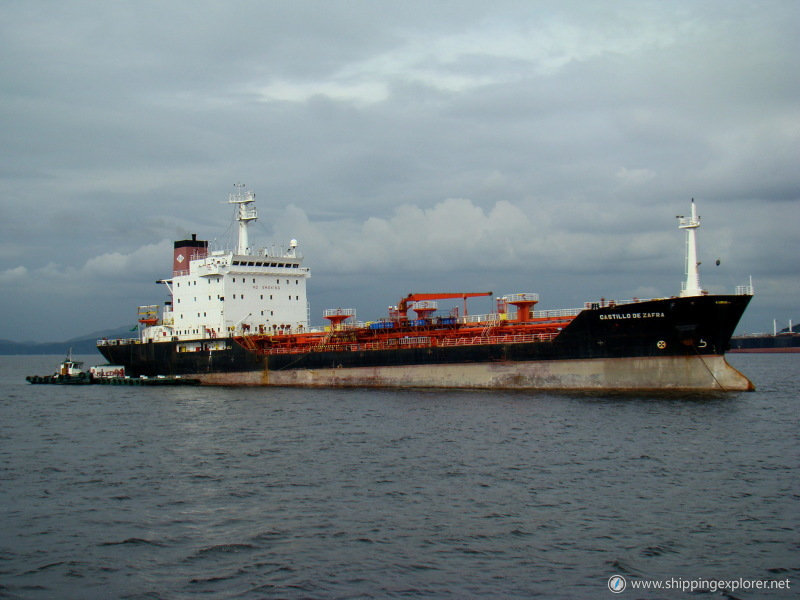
[417, 342]
[117, 342]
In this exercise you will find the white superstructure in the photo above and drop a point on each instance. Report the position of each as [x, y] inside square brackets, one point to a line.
[222, 293]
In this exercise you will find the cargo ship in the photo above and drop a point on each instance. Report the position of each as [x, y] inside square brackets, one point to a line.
[784, 341]
[240, 317]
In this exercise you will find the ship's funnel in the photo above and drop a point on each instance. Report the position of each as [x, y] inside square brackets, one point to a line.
[185, 251]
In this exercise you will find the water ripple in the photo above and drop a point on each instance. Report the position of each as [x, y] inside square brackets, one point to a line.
[153, 494]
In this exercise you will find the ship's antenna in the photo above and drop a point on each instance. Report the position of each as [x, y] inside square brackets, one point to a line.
[691, 286]
[246, 214]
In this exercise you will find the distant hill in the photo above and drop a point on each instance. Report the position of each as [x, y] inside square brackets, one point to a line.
[85, 344]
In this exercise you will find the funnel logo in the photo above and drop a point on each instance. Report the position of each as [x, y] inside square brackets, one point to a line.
[617, 584]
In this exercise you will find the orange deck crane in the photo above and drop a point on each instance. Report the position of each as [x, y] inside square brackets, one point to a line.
[403, 305]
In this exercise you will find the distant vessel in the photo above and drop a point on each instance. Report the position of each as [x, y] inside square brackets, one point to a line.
[787, 340]
[240, 317]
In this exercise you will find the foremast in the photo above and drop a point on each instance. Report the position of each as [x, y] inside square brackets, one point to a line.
[691, 286]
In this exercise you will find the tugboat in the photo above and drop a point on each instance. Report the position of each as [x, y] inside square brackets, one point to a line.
[69, 373]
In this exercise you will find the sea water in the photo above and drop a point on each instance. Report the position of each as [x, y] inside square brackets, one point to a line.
[136, 492]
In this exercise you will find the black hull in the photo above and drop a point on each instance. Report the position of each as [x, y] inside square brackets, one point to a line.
[163, 358]
[673, 327]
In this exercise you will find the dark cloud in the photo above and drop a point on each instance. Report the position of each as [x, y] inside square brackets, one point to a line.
[459, 145]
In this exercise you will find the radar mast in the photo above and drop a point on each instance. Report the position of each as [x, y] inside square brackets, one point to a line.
[246, 213]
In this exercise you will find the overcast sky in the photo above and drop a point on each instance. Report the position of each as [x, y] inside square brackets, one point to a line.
[408, 146]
